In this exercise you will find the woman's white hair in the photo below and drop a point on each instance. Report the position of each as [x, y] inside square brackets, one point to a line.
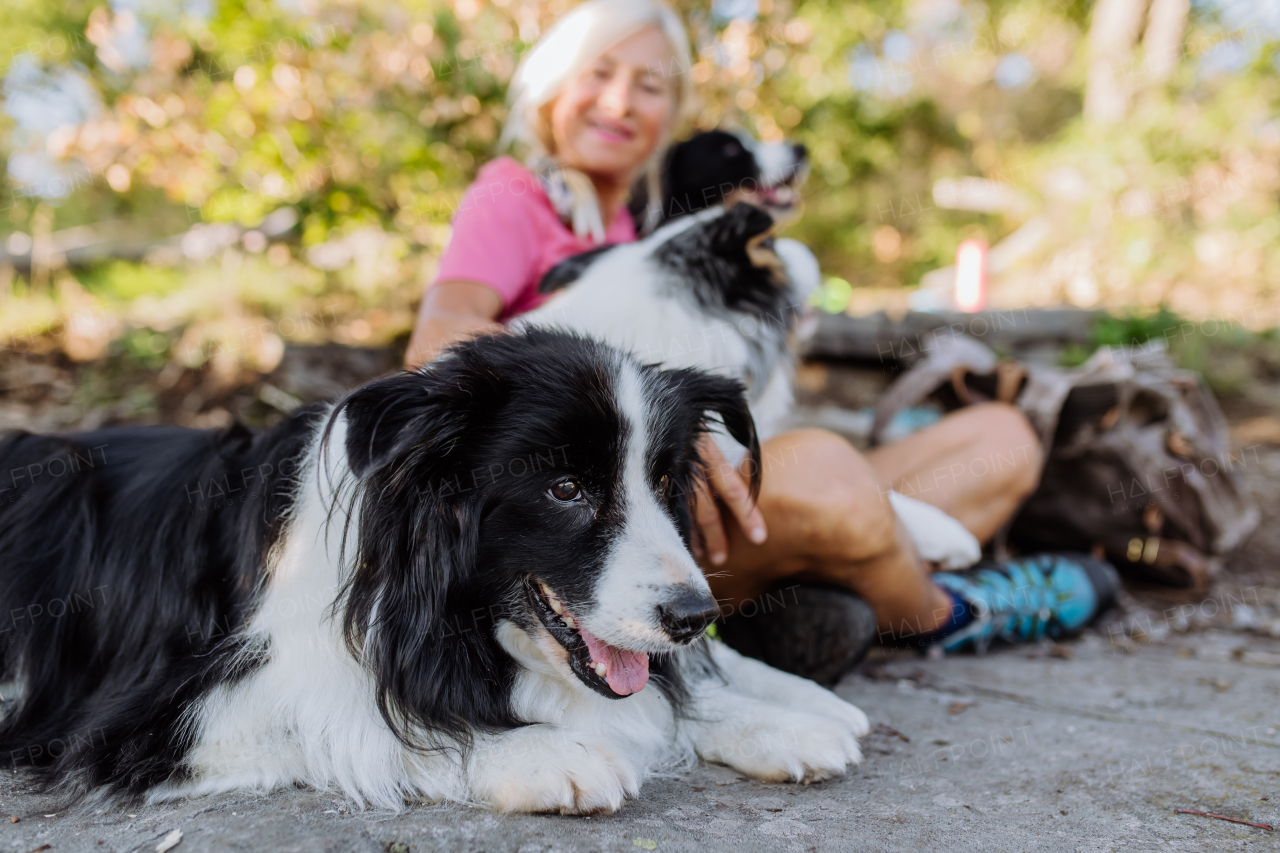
[575, 41]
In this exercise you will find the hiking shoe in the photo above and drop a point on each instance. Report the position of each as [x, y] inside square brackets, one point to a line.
[816, 632]
[1024, 599]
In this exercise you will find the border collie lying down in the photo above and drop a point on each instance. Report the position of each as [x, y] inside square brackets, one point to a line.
[716, 291]
[468, 582]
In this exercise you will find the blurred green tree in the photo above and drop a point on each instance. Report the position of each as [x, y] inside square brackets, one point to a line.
[370, 118]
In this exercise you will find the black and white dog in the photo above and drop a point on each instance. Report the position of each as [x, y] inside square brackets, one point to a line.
[468, 582]
[719, 167]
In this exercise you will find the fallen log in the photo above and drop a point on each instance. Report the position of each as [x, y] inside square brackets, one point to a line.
[1023, 332]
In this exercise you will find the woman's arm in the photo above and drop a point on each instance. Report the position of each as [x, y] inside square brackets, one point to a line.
[450, 312]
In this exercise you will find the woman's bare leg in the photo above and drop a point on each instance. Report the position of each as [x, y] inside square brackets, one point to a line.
[829, 520]
[977, 465]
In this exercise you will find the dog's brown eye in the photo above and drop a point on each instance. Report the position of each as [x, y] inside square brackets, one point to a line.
[566, 491]
[664, 484]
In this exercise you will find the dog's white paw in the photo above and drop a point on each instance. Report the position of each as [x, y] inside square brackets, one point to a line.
[938, 537]
[850, 715]
[777, 744]
[544, 769]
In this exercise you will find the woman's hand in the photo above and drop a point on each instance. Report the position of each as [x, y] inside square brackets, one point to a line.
[725, 482]
[452, 311]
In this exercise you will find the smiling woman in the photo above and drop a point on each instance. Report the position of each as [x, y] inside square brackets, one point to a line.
[593, 107]
[605, 116]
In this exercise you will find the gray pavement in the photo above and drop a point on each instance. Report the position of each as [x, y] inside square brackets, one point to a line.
[1085, 747]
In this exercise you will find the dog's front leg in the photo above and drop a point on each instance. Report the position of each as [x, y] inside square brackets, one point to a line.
[732, 722]
[543, 768]
[754, 678]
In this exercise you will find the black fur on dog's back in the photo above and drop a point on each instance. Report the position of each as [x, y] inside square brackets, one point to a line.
[123, 582]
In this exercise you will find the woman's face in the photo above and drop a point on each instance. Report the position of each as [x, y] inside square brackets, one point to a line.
[609, 119]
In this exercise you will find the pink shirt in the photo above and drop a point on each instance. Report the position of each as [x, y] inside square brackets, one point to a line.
[507, 235]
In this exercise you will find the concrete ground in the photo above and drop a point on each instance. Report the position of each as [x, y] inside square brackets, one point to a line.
[1083, 747]
[1173, 701]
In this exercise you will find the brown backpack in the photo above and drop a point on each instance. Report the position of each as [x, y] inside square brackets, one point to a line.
[1138, 464]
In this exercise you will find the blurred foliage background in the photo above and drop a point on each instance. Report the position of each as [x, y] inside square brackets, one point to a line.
[197, 182]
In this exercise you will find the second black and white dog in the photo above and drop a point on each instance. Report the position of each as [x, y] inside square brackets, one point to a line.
[720, 167]
[468, 582]
[712, 287]
[715, 291]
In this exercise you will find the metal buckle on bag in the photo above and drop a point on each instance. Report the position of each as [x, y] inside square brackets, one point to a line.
[1145, 551]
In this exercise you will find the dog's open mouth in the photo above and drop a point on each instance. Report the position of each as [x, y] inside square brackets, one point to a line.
[610, 671]
[783, 196]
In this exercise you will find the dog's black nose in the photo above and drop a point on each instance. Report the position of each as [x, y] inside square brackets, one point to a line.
[687, 613]
[801, 152]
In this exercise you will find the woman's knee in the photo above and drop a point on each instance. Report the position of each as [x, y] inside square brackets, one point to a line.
[833, 495]
[1011, 449]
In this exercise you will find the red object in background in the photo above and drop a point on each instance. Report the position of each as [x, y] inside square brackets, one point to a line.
[971, 276]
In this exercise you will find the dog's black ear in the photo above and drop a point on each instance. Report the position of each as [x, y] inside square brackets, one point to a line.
[386, 418]
[738, 226]
[410, 603]
[570, 270]
[727, 398]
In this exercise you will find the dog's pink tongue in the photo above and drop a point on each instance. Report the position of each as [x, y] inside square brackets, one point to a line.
[628, 671]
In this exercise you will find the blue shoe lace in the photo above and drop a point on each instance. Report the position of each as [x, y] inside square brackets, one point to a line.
[1022, 600]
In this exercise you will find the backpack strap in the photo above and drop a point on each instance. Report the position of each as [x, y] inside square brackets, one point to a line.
[1042, 399]
[950, 359]
[1039, 392]
[1010, 375]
